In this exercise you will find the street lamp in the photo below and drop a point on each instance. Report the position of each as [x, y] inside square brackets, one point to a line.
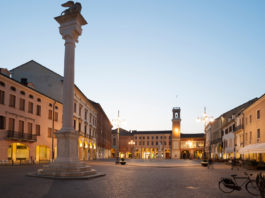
[205, 119]
[118, 123]
[132, 143]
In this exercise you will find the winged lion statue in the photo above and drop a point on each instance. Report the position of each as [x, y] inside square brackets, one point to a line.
[71, 7]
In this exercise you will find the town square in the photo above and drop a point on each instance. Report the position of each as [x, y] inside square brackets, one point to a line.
[132, 99]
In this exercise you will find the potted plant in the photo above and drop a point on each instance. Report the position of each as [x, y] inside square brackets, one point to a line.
[123, 161]
[204, 162]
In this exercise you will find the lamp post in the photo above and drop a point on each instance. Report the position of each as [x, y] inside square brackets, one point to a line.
[132, 143]
[118, 123]
[205, 119]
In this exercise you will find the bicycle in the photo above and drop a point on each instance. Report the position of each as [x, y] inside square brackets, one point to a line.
[260, 181]
[228, 185]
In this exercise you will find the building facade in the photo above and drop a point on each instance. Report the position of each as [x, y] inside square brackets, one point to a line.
[222, 132]
[167, 144]
[88, 115]
[254, 131]
[27, 121]
[31, 110]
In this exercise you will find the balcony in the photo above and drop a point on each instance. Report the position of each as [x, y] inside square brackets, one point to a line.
[21, 136]
[237, 128]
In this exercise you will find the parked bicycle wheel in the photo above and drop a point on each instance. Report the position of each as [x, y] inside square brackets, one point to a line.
[252, 188]
[223, 187]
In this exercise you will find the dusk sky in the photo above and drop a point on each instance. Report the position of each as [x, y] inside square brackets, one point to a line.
[137, 55]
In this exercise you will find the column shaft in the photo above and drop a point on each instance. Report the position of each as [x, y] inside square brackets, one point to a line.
[68, 87]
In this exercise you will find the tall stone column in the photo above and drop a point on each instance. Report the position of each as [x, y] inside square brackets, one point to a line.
[70, 29]
[67, 164]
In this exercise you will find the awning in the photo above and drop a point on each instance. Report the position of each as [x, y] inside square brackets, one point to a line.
[253, 148]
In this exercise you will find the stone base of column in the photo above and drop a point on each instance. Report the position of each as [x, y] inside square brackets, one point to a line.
[70, 170]
[67, 164]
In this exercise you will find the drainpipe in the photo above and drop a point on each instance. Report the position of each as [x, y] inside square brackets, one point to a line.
[53, 130]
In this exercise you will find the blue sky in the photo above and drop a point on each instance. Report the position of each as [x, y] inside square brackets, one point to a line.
[136, 56]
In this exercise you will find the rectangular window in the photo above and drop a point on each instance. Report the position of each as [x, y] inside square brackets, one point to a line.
[246, 121]
[143, 143]
[50, 114]
[30, 107]
[152, 143]
[86, 114]
[258, 135]
[80, 110]
[250, 118]
[21, 104]
[37, 130]
[38, 110]
[11, 124]
[30, 128]
[74, 124]
[246, 137]
[2, 122]
[250, 137]
[258, 114]
[139, 143]
[147, 143]
[2, 97]
[74, 107]
[165, 143]
[56, 116]
[21, 126]
[12, 100]
[49, 132]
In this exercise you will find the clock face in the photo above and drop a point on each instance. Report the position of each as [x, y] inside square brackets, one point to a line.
[176, 115]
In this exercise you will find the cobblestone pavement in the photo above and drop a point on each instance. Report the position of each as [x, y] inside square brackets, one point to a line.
[127, 181]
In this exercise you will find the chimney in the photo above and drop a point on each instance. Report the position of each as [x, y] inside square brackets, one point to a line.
[24, 81]
[31, 85]
[5, 72]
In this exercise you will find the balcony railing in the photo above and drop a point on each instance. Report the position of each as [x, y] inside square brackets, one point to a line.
[239, 127]
[21, 136]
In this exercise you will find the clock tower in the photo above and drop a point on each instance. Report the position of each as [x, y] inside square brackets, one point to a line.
[175, 154]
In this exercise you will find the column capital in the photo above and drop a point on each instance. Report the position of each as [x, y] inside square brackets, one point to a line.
[70, 25]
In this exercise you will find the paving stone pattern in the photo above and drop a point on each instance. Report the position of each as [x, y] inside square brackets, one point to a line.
[137, 179]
